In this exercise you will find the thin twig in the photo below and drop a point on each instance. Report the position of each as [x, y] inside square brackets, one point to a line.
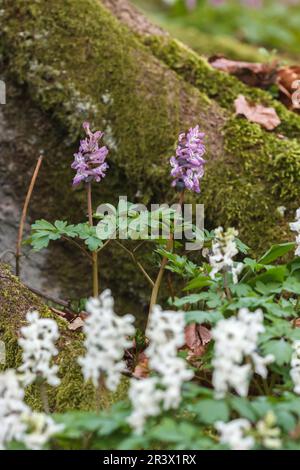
[139, 246]
[139, 265]
[5, 253]
[24, 213]
[104, 245]
[60, 313]
[75, 243]
[227, 290]
[170, 284]
[44, 397]
[64, 303]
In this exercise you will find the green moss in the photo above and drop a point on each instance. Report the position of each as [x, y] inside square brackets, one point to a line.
[77, 62]
[73, 392]
[220, 86]
[261, 174]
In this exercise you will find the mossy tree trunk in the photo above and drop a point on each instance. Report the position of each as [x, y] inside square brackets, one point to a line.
[15, 301]
[65, 62]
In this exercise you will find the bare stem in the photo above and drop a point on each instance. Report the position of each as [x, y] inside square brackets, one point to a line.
[227, 290]
[100, 392]
[61, 302]
[5, 252]
[24, 213]
[94, 253]
[158, 281]
[138, 264]
[171, 288]
[44, 397]
[104, 245]
[75, 243]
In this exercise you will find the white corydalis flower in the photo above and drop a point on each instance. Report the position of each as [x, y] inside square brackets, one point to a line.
[17, 421]
[236, 339]
[295, 366]
[146, 399]
[41, 427]
[234, 434]
[166, 334]
[268, 433]
[11, 408]
[295, 227]
[106, 338]
[223, 250]
[38, 344]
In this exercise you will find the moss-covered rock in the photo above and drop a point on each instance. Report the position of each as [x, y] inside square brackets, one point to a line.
[73, 392]
[74, 60]
[217, 85]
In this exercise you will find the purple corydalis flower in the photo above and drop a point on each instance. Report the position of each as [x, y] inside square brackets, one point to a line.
[89, 162]
[188, 164]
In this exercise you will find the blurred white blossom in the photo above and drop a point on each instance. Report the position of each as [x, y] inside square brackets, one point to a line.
[11, 408]
[166, 334]
[223, 250]
[39, 429]
[268, 432]
[295, 366]
[38, 344]
[17, 421]
[106, 338]
[146, 399]
[295, 227]
[235, 339]
[234, 434]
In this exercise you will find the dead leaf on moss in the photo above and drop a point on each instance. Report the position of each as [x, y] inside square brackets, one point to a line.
[252, 73]
[296, 323]
[266, 117]
[141, 370]
[288, 81]
[76, 324]
[196, 338]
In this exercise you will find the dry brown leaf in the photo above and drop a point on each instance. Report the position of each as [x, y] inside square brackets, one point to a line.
[76, 324]
[266, 117]
[264, 75]
[251, 73]
[287, 77]
[295, 433]
[296, 323]
[196, 338]
[141, 370]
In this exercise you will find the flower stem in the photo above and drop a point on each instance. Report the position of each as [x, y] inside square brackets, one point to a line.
[138, 264]
[73, 242]
[226, 288]
[44, 397]
[24, 213]
[158, 281]
[100, 393]
[94, 253]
